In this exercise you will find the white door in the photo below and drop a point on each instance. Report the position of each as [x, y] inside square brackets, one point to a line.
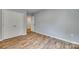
[13, 23]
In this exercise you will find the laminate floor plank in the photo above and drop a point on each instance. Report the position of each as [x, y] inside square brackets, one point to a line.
[36, 41]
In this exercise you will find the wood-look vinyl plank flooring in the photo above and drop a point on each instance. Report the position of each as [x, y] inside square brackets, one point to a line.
[36, 41]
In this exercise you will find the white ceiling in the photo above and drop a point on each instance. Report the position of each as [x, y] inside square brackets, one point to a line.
[29, 11]
[33, 10]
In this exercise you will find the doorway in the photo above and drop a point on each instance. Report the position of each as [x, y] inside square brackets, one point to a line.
[30, 24]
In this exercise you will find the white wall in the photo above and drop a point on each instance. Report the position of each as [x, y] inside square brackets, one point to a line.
[33, 23]
[30, 22]
[0, 24]
[13, 24]
[58, 23]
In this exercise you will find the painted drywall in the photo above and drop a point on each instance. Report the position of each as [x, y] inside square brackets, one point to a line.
[58, 23]
[0, 24]
[30, 22]
[33, 23]
[14, 24]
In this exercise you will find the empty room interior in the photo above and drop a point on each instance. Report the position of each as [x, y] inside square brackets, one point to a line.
[39, 28]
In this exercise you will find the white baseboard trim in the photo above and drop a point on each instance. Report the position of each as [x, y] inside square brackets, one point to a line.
[73, 42]
[1, 39]
[11, 37]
